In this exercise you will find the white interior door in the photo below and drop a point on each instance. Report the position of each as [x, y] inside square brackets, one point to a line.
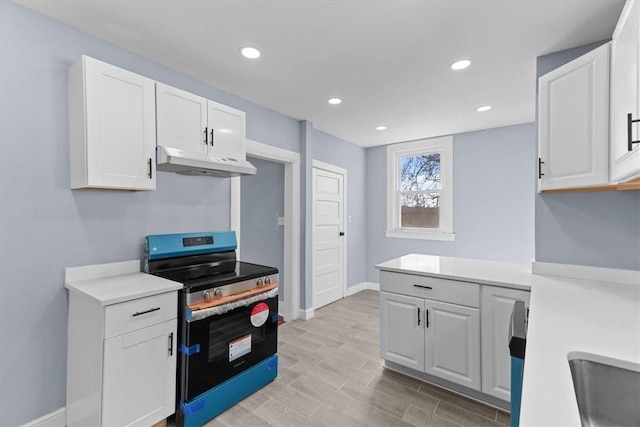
[328, 237]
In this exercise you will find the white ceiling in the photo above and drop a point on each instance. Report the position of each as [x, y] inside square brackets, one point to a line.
[388, 60]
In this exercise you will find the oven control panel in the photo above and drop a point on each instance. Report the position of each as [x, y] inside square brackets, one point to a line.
[230, 289]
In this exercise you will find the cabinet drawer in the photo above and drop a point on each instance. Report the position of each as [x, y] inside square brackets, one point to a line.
[139, 313]
[432, 288]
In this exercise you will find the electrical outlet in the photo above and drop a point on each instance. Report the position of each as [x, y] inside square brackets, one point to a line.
[280, 220]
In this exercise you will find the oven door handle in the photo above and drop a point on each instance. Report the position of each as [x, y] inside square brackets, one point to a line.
[195, 315]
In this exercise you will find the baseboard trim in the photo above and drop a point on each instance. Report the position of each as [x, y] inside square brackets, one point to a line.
[363, 286]
[307, 314]
[459, 389]
[57, 418]
[583, 272]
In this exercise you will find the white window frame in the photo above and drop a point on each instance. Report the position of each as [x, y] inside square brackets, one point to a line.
[443, 146]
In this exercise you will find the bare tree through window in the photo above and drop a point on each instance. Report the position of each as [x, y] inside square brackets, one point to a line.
[420, 185]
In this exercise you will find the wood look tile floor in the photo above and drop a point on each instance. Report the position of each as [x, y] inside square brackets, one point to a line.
[330, 374]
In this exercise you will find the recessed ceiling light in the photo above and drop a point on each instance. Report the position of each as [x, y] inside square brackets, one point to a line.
[484, 108]
[250, 52]
[334, 101]
[381, 128]
[460, 65]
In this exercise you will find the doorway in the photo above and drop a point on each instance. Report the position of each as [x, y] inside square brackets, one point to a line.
[262, 217]
[290, 275]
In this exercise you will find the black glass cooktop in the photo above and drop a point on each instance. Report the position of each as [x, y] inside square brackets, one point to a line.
[212, 275]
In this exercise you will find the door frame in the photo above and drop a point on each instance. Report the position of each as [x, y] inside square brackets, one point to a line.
[317, 164]
[291, 161]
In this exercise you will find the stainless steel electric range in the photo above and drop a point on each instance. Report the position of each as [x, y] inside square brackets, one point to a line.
[228, 321]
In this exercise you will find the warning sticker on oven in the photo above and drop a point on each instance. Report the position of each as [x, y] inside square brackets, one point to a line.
[259, 314]
[239, 347]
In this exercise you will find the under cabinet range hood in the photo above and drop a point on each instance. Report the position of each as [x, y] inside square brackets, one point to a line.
[191, 163]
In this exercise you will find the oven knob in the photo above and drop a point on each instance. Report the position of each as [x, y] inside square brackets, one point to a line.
[267, 280]
[260, 282]
[217, 293]
[208, 295]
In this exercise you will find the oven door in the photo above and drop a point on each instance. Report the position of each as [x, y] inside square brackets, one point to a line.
[220, 346]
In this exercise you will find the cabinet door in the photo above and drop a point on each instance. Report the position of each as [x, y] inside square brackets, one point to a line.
[497, 304]
[452, 344]
[625, 94]
[402, 330]
[573, 122]
[228, 125]
[120, 128]
[182, 119]
[139, 376]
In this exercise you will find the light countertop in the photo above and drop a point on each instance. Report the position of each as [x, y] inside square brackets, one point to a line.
[117, 282]
[566, 315]
[505, 274]
[570, 315]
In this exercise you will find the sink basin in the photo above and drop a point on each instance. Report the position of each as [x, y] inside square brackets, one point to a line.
[607, 390]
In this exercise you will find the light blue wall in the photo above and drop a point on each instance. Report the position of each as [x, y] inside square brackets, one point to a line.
[45, 227]
[596, 229]
[306, 147]
[330, 149]
[318, 145]
[262, 202]
[494, 184]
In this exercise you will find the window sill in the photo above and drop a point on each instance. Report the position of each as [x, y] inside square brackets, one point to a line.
[421, 235]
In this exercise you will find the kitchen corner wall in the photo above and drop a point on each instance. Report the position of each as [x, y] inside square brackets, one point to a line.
[45, 226]
[493, 188]
[600, 229]
[318, 145]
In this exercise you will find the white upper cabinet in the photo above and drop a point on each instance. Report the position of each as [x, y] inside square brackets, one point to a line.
[182, 119]
[573, 123]
[112, 128]
[227, 128]
[199, 125]
[625, 95]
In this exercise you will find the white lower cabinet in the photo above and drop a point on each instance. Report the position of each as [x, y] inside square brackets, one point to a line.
[435, 337]
[457, 331]
[452, 344]
[139, 376]
[497, 304]
[121, 362]
[402, 335]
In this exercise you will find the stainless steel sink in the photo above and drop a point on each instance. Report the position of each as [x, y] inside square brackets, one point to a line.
[607, 390]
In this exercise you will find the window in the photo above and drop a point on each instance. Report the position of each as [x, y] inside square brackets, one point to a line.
[420, 189]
